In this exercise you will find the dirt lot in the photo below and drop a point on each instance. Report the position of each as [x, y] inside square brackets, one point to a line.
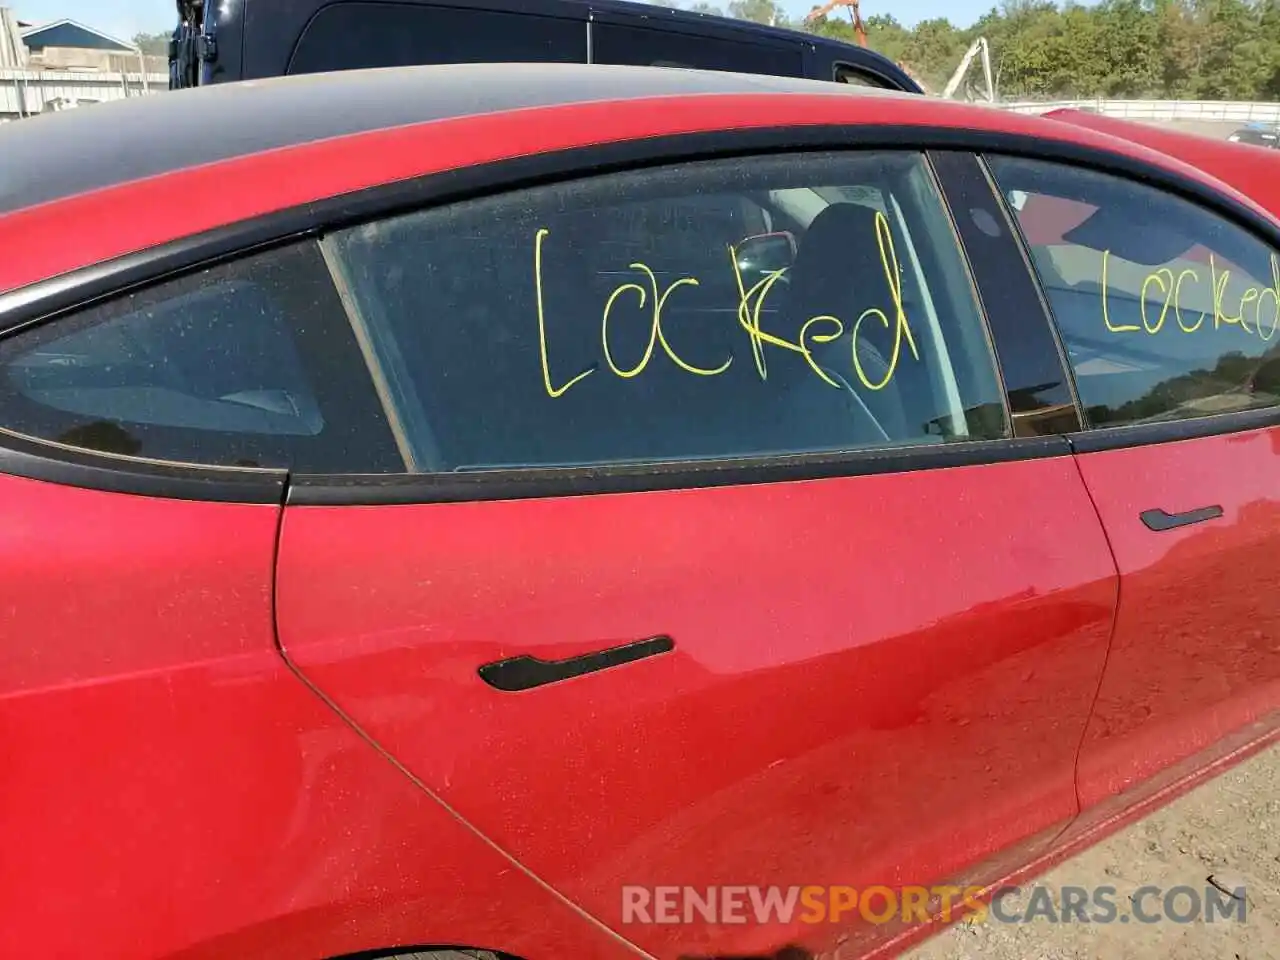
[1228, 829]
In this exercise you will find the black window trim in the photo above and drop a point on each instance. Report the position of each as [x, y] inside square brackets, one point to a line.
[980, 171]
[1028, 266]
[52, 462]
[49, 299]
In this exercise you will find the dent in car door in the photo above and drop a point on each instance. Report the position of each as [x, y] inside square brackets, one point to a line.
[841, 679]
[1168, 312]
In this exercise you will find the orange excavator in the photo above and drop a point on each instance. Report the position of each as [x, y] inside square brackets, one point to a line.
[852, 6]
[859, 29]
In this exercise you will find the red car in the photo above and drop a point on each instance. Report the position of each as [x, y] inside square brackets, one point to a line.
[452, 507]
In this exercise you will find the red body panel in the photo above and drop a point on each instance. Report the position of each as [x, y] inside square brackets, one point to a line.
[877, 679]
[1252, 170]
[1196, 654]
[172, 789]
[847, 702]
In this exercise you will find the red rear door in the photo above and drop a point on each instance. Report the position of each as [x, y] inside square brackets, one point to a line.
[1169, 315]
[684, 593]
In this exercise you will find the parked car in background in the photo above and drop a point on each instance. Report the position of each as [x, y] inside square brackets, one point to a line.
[220, 42]
[1257, 136]
[464, 501]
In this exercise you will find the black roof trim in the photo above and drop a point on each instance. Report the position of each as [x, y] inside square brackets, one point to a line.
[45, 157]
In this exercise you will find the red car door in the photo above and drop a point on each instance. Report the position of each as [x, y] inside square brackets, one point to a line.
[719, 566]
[1168, 311]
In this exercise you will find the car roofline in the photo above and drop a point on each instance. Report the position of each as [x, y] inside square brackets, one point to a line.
[337, 170]
[165, 134]
[45, 160]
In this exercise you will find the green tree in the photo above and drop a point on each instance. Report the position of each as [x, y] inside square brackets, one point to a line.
[153, 44]
[1212, 49]
[934, 49]
[1269, 36]
[759, 11]
[1236, 59]
[1128, 38]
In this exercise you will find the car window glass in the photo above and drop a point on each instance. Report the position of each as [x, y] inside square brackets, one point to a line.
[1167, 311]
[216, 368]
[846, 74]
[353, 36]
[639, 46]
[754, 307]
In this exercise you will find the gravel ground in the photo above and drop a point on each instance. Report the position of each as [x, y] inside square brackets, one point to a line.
[1206, 128]
[1228, 829]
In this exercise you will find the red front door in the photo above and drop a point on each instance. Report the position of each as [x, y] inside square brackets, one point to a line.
[1195, 668]
[1170, 315]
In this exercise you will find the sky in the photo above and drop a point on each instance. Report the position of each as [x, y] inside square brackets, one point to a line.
[124, 18]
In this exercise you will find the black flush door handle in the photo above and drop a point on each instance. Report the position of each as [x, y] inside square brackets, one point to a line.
[1158, 520]
[526, 672]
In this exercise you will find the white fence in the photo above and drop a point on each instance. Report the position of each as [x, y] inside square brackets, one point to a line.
[27, 92]
[1221, 111]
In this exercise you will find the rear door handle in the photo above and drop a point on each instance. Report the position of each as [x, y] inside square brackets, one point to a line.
[524, 672]
[1159, 521]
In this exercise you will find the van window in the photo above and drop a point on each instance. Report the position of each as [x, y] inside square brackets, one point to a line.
[843, 73]
[353, 36]
[757, 307]
[639, 46]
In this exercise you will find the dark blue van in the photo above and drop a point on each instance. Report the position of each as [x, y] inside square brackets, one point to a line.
[217, 42]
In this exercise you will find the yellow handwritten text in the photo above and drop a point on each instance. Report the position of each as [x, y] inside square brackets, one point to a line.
[1257, 311]
[646, 292]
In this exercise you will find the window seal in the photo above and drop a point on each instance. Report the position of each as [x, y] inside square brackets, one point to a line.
[36, 459]
[1171, 431]
[388, 489]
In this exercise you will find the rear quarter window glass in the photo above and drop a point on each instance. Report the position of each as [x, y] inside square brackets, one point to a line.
[248, 364]
[745, 308]
[1167, 310]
